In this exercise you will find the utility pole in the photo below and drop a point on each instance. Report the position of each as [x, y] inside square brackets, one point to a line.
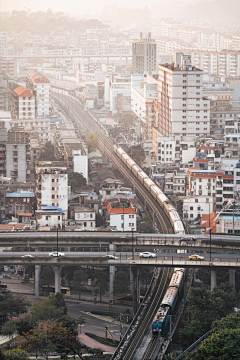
[210, 232]
[57, 243]
[121, 328]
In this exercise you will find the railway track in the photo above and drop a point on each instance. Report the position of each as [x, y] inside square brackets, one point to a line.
[144, 324]
[106, 145]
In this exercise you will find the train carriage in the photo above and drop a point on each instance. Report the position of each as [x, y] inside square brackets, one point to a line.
[141, 176]
[136, 169]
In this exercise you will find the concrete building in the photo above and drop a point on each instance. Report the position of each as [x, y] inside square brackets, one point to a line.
[195, 206]
[18, 156]
[22, 104]
[52, 185]
[41, 87]
[144, 55]
[181, 109]
[50, 216]
[76, 156]
[120, 97]
[8, 66]
[86, 217]
[144, 90]
[174, 149]
[235, 86]
[3, 142]
[175, 183]
[19, 202]
[226, 223]
[121, 214]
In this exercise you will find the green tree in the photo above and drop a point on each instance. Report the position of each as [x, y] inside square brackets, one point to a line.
[137, 153]
[12, 305]
[48, 152]
[76, 180]
[101, 283]
[204, 307]
[146, 224]
[46, 310]
[92, 143]
[58, 301]
[78, 280]
[126, 121]
[9, 329]
[16, 354]
[222, 345]
[121, 283]
[47, 276]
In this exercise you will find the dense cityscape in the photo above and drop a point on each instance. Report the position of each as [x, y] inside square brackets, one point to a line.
[120, 183]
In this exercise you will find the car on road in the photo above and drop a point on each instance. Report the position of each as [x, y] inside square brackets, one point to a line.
[112, 257]
[196, 257]
[55, 253]
[28, 256]
[147, 255]
[190, 238]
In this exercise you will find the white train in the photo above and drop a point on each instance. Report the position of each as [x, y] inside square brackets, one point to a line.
[153, 189]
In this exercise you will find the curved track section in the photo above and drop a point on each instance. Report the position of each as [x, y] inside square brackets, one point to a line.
[106, 145]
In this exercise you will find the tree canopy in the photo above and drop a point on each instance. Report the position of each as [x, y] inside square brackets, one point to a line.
[76, 180]
[48, 152]
[204, 307]
[92, 143]
[137, 153]
[12, 305]
[79, 278]
[224, 342]
[121, 283]
[101, 282]
[16, 354]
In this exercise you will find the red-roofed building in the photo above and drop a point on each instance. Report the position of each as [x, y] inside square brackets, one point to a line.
[41, 87]
[22, 103]
[121, 214]
[205, 222]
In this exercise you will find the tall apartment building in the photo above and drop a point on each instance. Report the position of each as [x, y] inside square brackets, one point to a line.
[76, 157]
[144, 90]
[8, 66]
[3, 141]
[22, 104]
[41, 87]
[144, 55]
[18, 156]
[52, 185]
[181, 109]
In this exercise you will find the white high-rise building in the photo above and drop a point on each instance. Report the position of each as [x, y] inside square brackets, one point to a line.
[181, 108]
[41, 87]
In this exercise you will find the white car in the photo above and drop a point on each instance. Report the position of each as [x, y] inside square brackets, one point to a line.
[147, 255]
[28, 256]
[111, 257]
[54, 253]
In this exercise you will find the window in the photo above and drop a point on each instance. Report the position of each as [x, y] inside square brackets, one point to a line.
[24, 199]
[59, 217]
[85, 224]
[197, 117]
[205, 110]
[91, 215]
[191, 215]
[205, 117]
[184, 75]
[46, 217]
[196, 200]
[121, 217]
[191, 207]
[184, 81]
[184, 93]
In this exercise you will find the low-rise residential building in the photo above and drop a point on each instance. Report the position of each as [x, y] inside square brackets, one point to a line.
[227, 223]
[121, 214]
[19, 202]
[85, 216]
[175, 183]
[175, 149]
[76, 156]
[50, 216]
[195, 206]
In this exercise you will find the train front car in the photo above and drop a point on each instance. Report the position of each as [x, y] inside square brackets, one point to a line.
[160, 321]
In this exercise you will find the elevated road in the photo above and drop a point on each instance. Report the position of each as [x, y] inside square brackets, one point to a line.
[124, 259]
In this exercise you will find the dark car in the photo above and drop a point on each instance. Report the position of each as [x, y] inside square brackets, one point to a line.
[190, 238]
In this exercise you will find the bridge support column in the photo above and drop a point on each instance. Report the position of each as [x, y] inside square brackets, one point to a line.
[57, 271]
[131, 279]
[37, 279]
[213, 279]
[111, 280]
[136, 290]
[232, 276]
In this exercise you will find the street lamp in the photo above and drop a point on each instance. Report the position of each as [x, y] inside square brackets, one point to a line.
[132, 245]
[57, 242]
[210, 232]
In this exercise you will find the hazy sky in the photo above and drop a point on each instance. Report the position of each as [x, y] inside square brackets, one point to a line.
[76, 6]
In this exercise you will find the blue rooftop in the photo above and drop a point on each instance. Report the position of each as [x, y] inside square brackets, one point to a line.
[21, 194]
[51, 209]
[230, 217]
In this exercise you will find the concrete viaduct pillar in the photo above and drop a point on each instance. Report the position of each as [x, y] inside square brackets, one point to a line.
[131, 279]
[136, 289]
[57, 271]
[111, 280]
[213, 279]
[232, 276]
[37, 279]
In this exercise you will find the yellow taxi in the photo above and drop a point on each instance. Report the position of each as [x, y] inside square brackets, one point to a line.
[196, 257]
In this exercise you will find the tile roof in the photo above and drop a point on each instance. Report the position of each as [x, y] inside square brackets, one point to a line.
[205, 222]
[37, 79]
[25, 214]
[22, 92]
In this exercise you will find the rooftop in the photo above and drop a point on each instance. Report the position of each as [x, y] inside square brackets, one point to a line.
[20, 193]
[22, 92]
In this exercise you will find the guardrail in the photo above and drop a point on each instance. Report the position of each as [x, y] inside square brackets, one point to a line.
[193, 345]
